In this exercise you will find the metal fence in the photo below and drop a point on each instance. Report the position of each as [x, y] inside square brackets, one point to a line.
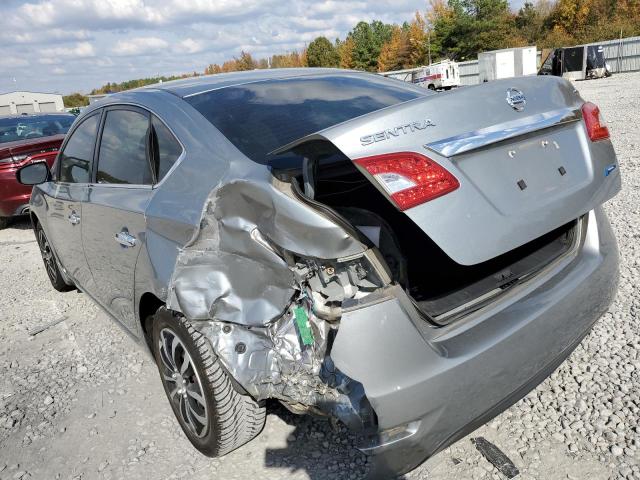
[622, 55]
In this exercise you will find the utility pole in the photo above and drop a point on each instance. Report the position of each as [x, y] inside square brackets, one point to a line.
[429, 42]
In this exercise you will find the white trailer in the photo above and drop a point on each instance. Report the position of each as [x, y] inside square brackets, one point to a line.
[443, 75]
[507, 63]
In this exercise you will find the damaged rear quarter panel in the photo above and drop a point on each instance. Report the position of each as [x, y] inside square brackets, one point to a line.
[231, 270]
[233, 282]
[216, 230]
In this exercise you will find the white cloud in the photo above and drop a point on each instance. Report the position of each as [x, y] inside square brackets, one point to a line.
[189, 45]
[115, 13]
[42, 36]
[79, 50]
[49, 60]
[88, 43]
[12, 62]
[140, 46]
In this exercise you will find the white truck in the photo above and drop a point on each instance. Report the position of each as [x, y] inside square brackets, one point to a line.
[443, 75]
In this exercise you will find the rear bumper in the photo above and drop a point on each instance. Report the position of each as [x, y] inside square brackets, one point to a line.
[431, 386]
[14, 197]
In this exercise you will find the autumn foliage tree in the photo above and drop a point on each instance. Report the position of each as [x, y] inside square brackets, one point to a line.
[75, 100]
[394, 54]
[418, 39]
[322, 53]
[345, 52]
[457, 29]
[368, 39]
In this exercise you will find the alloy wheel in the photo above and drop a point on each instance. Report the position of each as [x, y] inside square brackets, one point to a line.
[47, 255]
[182, 383]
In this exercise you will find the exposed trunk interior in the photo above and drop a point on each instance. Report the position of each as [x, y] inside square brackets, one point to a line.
[442, 289]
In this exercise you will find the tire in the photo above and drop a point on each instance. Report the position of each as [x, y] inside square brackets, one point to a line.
[213, 415]
[50, 262]
[432, 87]
[4, 222]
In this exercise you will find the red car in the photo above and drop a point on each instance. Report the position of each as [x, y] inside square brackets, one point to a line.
[25, 139]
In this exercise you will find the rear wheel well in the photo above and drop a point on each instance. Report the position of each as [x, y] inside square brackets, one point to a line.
[34, 219]
[149, 304]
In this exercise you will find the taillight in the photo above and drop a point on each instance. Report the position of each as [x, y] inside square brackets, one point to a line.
[409, 178]
[596, 127]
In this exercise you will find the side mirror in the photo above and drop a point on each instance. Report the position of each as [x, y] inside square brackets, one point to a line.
[33, 174]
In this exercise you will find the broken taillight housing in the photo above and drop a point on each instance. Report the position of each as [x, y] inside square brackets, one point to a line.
[409, 178]
[596, 127]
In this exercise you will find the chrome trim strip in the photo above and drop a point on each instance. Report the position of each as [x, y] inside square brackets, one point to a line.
[477, 139]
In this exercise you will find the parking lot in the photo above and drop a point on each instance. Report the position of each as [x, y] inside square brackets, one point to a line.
[80, 400]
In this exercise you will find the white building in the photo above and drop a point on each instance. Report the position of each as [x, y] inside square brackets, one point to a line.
[30, 102]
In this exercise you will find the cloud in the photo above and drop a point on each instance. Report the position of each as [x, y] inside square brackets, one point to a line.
[140, 46]
[79, 50]
[126, 13]
[189, 45]
[78, 45]
[34, 37]
[11, 61]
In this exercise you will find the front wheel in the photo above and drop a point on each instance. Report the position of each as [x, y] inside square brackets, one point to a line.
[212, 414]
[4, 222]
[50, 262]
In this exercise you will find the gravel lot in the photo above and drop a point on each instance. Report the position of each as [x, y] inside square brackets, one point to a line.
[79, 400]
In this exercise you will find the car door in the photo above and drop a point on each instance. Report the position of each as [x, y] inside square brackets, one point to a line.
[113, 226]
[67, 193]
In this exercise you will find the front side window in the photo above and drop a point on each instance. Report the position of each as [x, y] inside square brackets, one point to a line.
[123, 154]
[75, 159]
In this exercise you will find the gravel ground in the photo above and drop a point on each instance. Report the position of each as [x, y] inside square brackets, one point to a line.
[80, 401]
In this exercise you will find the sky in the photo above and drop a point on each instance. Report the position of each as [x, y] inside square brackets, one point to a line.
[67, 46]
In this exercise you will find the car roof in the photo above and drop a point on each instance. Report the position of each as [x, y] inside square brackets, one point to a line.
[36, 114]
[195, 85]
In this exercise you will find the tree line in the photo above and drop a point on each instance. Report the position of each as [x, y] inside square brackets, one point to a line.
[455, 29]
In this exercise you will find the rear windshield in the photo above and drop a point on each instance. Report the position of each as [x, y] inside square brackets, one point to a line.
[262, 116]
[14, 129]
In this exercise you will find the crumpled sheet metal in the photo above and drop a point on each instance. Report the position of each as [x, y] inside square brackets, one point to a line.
[272, 363]
[231, 270]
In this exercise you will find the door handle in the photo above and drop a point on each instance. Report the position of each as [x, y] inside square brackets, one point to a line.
[74, 218]
[125, 239]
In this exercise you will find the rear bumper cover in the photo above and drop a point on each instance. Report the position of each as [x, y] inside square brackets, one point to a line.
[431, 386]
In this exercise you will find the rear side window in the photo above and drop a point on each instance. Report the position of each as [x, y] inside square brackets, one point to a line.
[261, 116]
[123, 154]
[167, 149]
[75, 159]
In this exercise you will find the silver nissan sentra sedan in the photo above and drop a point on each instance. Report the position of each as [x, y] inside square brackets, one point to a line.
[408, 263]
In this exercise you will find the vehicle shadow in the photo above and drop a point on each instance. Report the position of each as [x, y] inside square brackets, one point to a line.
[20, 223]
[323, 452]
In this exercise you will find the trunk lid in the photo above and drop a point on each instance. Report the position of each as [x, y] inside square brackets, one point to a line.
[518, 147]
[19, 150]
[36, 145]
